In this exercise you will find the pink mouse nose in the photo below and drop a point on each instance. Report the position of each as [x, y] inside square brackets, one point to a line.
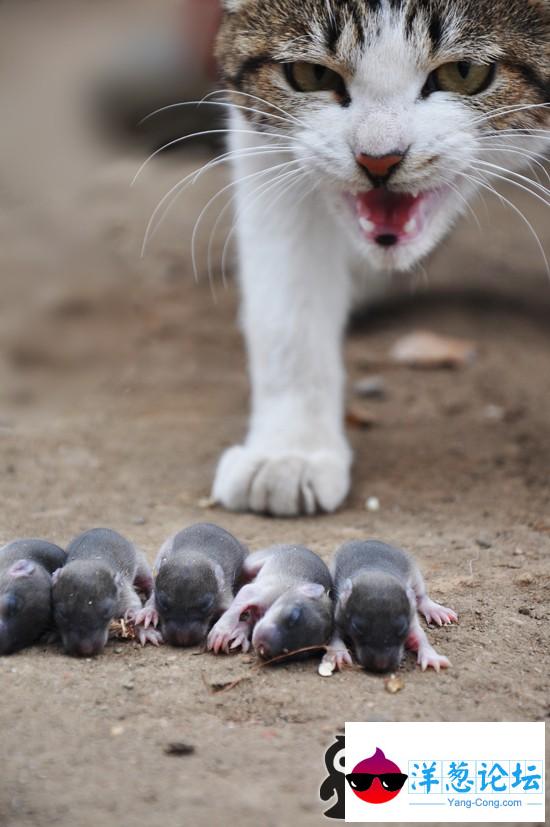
[380, 167]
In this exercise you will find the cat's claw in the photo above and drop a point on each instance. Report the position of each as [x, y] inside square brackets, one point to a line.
[284, 484]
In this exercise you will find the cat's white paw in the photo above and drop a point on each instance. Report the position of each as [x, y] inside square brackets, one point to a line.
[284, 484]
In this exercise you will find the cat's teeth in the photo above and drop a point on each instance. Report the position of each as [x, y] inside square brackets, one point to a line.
[366, 225]
[411, 226]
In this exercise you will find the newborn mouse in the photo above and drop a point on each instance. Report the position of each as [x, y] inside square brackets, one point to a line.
[196, 573]
[378, 590]
[26, 568]
[96, 585]
[288, 604]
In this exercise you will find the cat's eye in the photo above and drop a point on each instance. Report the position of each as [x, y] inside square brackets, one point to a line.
[461, 77]
[313, 77]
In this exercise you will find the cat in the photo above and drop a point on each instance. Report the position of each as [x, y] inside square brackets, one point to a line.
[359, 130]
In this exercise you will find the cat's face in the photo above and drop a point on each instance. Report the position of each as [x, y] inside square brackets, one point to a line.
[398, 108]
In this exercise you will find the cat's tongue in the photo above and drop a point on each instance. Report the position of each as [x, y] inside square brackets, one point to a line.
[389, 217]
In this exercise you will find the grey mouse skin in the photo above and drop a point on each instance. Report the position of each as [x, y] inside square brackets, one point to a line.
[288, 605]
[26, 568]
[378, 590]
[196, 573]
[95, 586]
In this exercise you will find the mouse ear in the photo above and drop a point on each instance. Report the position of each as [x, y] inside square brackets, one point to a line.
[220, 576]
[22, 568]
[313, 590]
[344, 592]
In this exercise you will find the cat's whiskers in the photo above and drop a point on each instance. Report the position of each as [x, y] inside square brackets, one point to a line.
[290, 178]
[192, 178]
[469, 207]
[299, 122]
[215, 226]
[419, 268]
[203, 133]
[482, 182]
[508, 136]
[281, 176]
[259, 99]
[222, 191]
[531, 157]
[508, 110]
[521, 132]
[488, 170]
[204, 102]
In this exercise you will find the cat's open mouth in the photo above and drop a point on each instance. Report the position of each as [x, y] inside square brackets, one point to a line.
[389, 218]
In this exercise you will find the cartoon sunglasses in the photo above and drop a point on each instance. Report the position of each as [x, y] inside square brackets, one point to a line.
[362, 781]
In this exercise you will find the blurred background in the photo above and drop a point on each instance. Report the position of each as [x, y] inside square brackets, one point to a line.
[122, 378]
[78, 79]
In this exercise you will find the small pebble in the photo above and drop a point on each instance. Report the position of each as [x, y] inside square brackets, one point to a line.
[525, 579]
[371, 387]
[484, 542]
[494, 413]
[394, 684]
[139, 520]
[326, 669]
[117, 730]
[372, 504]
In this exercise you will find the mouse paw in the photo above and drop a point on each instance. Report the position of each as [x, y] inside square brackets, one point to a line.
[149, 635]
[336, 660]
[148, 616]
[428, 657]
[435, 613]
[223, 637]
[240, 638]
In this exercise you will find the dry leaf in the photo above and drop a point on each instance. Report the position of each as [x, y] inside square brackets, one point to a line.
[122, 630]
[207, 502]
[357, 418]
[423, 349]
[216, 687]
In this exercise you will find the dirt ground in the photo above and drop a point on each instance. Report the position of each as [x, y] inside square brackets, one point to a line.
[121, 382]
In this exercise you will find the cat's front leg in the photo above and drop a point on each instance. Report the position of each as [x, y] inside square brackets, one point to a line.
[295, 285]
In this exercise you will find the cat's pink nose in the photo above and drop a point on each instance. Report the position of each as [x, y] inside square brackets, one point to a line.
[380, 167]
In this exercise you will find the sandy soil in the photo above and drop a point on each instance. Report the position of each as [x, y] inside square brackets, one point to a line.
[122, 380]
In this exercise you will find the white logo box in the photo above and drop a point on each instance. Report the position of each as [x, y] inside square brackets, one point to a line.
[504, 761]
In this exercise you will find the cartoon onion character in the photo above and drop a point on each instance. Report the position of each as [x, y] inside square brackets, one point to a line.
[376, 780]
